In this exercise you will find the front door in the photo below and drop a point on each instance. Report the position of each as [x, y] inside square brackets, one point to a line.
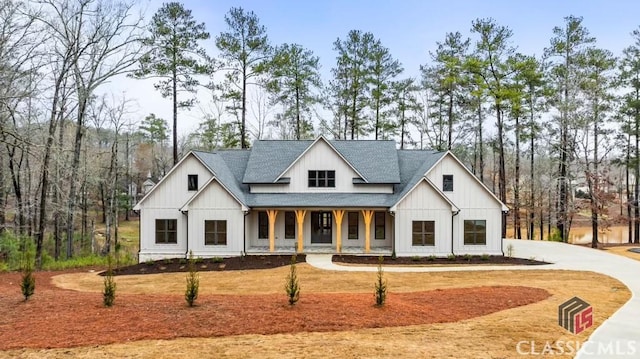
[321, 223]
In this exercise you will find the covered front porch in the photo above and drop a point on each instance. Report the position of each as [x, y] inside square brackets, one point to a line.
[319, 230]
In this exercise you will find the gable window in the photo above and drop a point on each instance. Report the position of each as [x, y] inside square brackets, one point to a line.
[353, 219]
[192, 182]
[447, 183]
[322, 178]
[475, 232]
[423, 233]
[263, 225]
[289, 225]
[215, 233]
[166, 231]
[379, 225]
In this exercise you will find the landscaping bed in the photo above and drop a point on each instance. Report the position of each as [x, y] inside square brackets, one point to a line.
[439, 261]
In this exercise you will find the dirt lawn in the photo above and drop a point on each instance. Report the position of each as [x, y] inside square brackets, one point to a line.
[244, 314]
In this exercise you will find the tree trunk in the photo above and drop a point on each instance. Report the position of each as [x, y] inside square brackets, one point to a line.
[480, 143]
[516, 188]
[243, 122]
[532, 179]
[627, 192]
[502, 180]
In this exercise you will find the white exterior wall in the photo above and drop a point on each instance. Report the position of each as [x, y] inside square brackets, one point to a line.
[283, 188]
[215, 203]
[475, 203]
[423, 204]
[322, 157]
[164, 203]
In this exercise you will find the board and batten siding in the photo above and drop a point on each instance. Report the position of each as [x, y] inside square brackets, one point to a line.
[164, 203]
[475, 203]
[321, 157]
[423, 204]
[215, 203]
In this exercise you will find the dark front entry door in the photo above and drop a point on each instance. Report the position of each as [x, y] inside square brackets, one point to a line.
[321, 227]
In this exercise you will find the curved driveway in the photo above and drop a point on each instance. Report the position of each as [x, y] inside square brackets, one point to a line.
[618, 336]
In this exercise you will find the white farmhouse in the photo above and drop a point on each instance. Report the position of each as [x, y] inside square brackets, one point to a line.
[319, 196]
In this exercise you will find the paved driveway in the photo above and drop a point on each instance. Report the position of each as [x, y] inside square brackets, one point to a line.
[618, 336]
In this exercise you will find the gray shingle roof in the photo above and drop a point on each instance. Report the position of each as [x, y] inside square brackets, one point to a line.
[377, 161]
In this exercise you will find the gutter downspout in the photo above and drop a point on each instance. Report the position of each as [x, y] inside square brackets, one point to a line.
[453, 215]
[139, 232]
[502, 240]
[393, 232]
[186, 213]
[244, 233]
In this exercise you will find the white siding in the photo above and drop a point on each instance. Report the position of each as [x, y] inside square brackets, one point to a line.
[149, 250]
[322, 157]
[423, 204]
[164, 203]
[475, 203]
[215, 203]
[173, 191]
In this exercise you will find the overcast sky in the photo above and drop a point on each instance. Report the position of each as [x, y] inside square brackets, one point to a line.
[409, 28]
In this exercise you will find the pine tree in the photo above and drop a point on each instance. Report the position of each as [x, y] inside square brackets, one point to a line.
[174, 56]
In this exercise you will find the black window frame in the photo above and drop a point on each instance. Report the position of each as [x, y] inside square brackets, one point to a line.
[353, 225]
[164, 230]
[289, 225]
[379, 226]
[321, 179]
[472, 235]
[447, 183]
[192, 182]
[213, 237]
[426, 236]
[263, 225]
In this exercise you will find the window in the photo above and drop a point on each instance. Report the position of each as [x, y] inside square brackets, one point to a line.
[353, 219]
[167, 231]
[423, 233]
[475, 232]
[263, 225]
[379, 225]
[215, 233]
[289, 225]
[192, 182]
[447, 183]
[322, 178]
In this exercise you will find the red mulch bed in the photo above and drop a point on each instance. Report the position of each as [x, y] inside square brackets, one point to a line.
[57, 318]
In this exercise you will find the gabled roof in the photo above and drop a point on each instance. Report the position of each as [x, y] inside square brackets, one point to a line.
[137, 205]
[269, 160]
[215, 162]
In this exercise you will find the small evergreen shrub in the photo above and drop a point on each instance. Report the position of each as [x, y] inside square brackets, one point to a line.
[381, 285]
[216, 260]
[451, 257]
[149, 262]
[193, 282]
[468, 257]
[484, 257]
[28, 284]
[292, 286]
[510, 250]
[415, 258]
[109, 292]
[431, 258]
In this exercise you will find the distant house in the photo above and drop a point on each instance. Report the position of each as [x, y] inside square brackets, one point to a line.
[319, 196]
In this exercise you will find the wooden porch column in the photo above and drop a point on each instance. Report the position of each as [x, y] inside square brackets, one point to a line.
[367, 230]
[300, 219]
[272, 214]
[338, 214]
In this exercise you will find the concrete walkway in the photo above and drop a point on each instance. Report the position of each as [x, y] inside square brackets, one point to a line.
[618, 336]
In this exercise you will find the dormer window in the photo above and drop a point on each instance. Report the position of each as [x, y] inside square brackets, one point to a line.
[192, 182]
[447, 183]
[322, 178]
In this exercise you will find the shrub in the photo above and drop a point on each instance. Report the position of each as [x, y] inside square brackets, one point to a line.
[149, 262]
[28, 285]
[109, 292]
[381, 285]
[193, 282]
[451, 257]
[468, 257]
[510, 250]
[216, 260]
[484, 257]
[555, 235]
[415, 258]
[431, 258]
[292, 286]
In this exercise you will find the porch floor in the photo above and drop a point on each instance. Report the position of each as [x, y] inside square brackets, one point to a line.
[387, 251]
